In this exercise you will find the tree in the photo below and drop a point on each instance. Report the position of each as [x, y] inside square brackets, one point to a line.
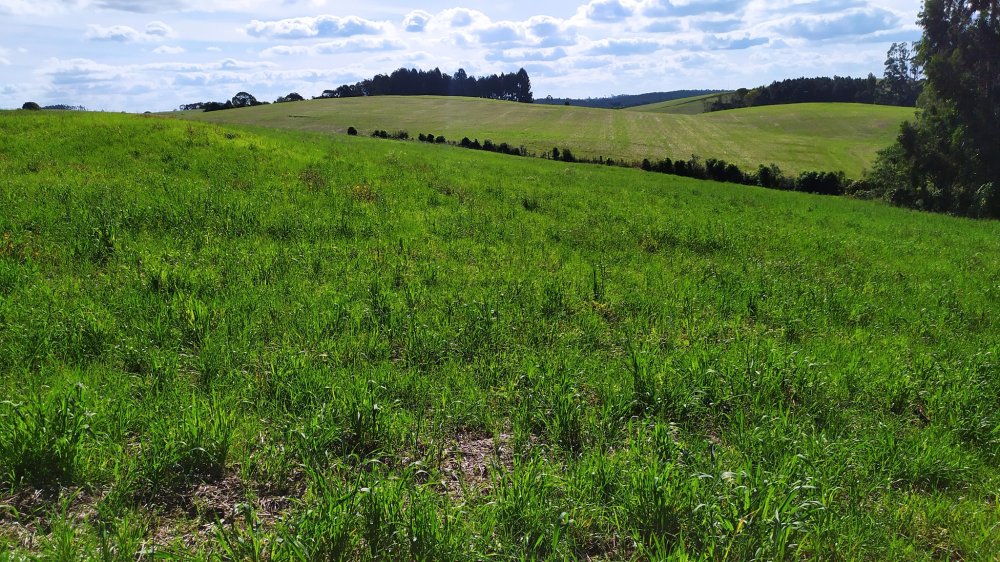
[523, 87]
[294, 96]
[244, 99]
[31, 106]
[948, 159]
[901, 81]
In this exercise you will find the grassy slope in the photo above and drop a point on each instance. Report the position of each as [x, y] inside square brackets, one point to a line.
[195, 318]
[684, 106]
[797, 138]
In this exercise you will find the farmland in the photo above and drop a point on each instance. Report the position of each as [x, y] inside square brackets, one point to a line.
[801, 137]
[229, 342]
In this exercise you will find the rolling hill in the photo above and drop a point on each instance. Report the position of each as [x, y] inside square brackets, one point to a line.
[230, 342]
[692, 105]
[827, 137]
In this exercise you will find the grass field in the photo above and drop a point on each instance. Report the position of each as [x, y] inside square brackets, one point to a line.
[684, 106]
[803, 137]
[232, 344]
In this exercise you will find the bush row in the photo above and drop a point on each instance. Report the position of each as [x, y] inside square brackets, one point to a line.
[770, 176]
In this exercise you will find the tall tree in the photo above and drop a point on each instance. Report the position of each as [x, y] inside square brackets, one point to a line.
[901, 81]
[949, 158]
[244, 99]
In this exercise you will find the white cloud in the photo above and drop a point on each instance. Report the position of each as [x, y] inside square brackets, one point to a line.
[527, 55]
[168, 50]
[625, 47]
[319, 26]
[607, 11]
[155, 31]
[286, 51]
[355, 45]
[850, 23]
[159, 29]
[360, 45]
[118, 33]
[416, 21]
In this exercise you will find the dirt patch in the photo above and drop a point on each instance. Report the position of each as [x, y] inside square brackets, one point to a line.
[472, 461]
[28, 513]
[176, 523]
[193, 516]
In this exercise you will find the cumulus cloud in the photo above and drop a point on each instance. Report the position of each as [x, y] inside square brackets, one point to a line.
[501, 32]
[462, 17]
[527, 55]
[745, 42]
[356, 45]
[826, 26]
[159, 29]
[416, 21]
[155, 31]
[117, 33]
[607, 11]
[286, 51]
[663, 26]
[624, 47]
[168, 50]
[551, 32]
[318, 26]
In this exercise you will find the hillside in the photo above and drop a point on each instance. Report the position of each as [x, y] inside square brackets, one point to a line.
[285, 345]
[625, 100]
[692, 105]
[797, 138]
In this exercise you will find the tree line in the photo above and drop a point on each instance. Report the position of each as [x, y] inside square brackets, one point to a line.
[402, 82]
[626, 100]
[770, 176]
[948, 158]
[413, 82]
[900, 85]
[33, 106]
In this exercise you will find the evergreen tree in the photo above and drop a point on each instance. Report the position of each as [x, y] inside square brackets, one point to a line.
[949, 159]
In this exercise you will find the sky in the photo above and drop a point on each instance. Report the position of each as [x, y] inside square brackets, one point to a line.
[153, 55]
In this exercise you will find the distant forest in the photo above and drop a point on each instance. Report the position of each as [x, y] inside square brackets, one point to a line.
[901, 85]
[627, 100]
[403, 82]
[413, 82]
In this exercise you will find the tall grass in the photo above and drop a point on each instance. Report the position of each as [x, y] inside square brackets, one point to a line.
[218, 343]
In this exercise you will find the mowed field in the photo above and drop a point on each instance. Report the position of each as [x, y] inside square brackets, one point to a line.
[684, 106]
[802, 137]
[222, 343]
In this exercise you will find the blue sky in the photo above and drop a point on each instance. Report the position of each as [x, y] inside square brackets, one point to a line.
[119, 55]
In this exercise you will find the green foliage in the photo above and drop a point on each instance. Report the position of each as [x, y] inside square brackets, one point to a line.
[948, 160]
[296, 346]
[41, 437]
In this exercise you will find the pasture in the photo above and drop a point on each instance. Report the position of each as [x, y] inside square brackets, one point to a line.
[232, 343]
[798, 138]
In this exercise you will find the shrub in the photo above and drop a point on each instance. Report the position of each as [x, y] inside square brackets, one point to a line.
[352, 131]
[31, 106]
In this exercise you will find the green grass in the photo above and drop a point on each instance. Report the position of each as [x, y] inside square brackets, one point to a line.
[803, 137]
[224, 343]
[685, 106]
